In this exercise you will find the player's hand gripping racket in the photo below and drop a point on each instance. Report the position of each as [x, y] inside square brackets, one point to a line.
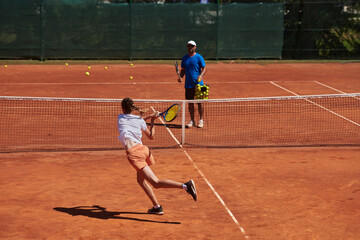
[171, 113]
[177, 70]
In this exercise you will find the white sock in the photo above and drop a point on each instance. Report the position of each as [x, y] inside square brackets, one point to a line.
[156, 206]
[184, 187]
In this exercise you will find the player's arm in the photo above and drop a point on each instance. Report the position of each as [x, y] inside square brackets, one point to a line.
[154, 114]
[182, 72]
[150, 132]
[203, 71]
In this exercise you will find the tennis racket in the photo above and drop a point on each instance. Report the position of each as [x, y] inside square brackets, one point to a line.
[171, 113]
[177, 71]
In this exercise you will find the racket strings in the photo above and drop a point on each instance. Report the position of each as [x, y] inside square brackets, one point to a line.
[171, 113]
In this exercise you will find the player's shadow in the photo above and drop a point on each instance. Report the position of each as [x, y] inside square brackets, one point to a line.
[99, 212]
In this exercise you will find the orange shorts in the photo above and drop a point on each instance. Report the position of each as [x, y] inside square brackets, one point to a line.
[139, 156]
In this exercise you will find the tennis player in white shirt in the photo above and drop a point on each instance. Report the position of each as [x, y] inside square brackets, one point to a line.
[131, 128]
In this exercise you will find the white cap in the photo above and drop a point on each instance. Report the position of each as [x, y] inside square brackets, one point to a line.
[192, 42]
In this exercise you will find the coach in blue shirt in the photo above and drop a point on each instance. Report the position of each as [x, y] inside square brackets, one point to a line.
[193, 67]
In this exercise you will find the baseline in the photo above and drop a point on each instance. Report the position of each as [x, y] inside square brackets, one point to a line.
[129, 83]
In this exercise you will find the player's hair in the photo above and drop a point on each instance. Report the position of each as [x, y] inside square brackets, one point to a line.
[128, 105]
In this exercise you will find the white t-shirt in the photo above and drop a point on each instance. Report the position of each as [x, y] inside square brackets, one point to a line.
[130, 128]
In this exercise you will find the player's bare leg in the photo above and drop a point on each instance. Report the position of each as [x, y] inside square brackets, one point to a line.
[149, 175]
[146, 187]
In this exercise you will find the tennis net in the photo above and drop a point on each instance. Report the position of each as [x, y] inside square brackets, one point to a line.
[59, 124]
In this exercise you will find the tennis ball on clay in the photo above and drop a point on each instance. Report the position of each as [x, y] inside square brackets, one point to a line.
[87, 73]
[131, 64]
[106, 68]
[89, 67]
[66, 64]
[5, 66]
[131, 77]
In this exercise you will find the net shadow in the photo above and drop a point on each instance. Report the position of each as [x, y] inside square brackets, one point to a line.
[178, 126]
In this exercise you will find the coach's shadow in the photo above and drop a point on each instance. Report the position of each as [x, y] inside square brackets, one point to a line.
[99, 212]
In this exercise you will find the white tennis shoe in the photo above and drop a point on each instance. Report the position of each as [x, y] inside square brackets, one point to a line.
[191, 124]
[201, 124]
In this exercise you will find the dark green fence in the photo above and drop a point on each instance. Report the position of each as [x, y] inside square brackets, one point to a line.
[89, 29]
[105, 29]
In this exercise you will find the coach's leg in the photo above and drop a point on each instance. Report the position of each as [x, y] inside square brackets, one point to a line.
[190, 95]
[192, 111]
[201, 111]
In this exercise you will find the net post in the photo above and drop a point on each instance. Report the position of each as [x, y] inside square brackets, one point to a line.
[183, 122]
[130, 30]
[41, 24]
[217, 30]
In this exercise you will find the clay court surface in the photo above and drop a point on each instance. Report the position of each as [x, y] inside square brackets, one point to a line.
[244, 193]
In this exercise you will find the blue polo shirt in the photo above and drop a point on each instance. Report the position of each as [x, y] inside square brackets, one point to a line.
[192, 67]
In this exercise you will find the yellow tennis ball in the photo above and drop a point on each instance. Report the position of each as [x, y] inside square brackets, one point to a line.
[89, 67]
[131, 64]
[106, 68]
[5, 66]
[87, 73]
[131, 77]
[66, 64]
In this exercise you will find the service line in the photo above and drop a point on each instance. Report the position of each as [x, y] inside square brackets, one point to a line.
[320, 106]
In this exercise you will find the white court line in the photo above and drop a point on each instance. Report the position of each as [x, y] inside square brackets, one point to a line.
[337, 90]
[130, 83]
[357, 124]
[85, 83]
[207, 181]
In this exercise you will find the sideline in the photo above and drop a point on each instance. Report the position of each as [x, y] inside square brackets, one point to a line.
[206, 180]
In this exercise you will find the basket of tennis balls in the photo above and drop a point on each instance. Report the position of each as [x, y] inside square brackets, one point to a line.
[202, 92]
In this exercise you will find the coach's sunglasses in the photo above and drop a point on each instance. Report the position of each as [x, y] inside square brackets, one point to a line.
[190, 46]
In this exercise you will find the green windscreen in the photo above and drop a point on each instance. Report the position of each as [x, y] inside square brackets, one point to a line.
[78, 29]
[250, 30]
[90, 29]
[20, 31]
